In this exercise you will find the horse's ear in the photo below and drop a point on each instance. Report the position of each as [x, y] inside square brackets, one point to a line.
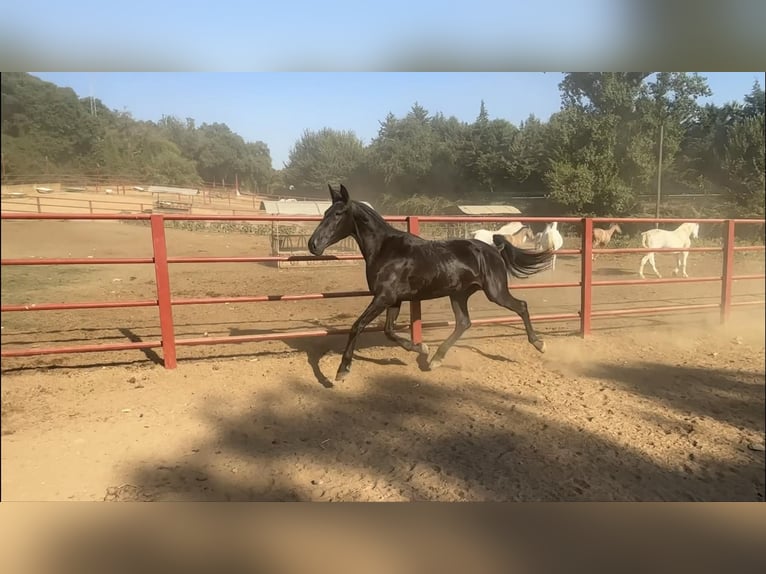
[343, 193]
[334, 195]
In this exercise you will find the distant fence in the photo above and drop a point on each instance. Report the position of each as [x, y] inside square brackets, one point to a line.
[35, 203]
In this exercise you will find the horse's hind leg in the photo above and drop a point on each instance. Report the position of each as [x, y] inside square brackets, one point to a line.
[462, 324]
[500, 295]
[684, 257]
[644, 259]
[654, 266]
[391, 314]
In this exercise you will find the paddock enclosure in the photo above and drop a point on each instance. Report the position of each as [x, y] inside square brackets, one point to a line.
[656, 402]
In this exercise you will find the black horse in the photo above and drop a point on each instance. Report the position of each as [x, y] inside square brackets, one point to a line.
[405, 267]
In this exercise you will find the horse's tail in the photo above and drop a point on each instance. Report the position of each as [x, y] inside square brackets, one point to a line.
[549, 244]
[521, 263]
[643, 239]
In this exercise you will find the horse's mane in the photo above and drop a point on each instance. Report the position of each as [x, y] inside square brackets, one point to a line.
[368, 212]
[690, 225]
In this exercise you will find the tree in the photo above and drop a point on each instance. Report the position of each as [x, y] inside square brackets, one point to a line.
[595, 156]
[528, 155]
[722, 151]
[584, 169]
[742, 162]
[671, 105]
[487, 152]
[402, 154]
[322, 157]
[606, 157]
[448, 176]
[755, 101]
[183, 134]
[49, 129]
[45, 127]
[258, 172]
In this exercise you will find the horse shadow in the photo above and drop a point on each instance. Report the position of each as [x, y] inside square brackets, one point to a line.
[316, 348]
[613, 271]
[486, 355]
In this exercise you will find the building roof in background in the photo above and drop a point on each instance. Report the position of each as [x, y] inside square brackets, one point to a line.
[488, 209]
[287, 207]
[168, 189]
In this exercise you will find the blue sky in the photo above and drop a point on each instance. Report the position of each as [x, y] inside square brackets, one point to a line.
[395, 35]
[332, 35]
[277, 107]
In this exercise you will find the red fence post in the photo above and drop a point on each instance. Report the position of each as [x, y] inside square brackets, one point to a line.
[162, 275]
[728, 270]
[416, 324]
[586, 276]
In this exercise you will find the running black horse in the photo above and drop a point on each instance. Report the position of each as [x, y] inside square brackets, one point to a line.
[405, 267]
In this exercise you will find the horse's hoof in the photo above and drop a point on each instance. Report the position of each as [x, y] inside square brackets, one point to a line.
[434, 364]
[341, 374]
[423, 350]
[539, 345]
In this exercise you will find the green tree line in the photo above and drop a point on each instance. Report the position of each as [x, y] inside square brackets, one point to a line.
[48, 130]
[597, 155]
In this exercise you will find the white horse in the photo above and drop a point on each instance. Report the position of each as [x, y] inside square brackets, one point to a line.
[662, 238]
[521, 238]
[509, 230]
[550, 239]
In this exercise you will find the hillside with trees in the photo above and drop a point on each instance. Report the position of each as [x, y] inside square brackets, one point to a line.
[49, 130]
[597, 155]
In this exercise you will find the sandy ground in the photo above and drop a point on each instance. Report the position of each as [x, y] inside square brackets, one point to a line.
[669, 407]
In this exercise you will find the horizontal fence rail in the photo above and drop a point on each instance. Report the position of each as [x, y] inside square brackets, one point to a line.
[165, 302]
[146, 203]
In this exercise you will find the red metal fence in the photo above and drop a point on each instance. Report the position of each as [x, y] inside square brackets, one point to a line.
[165, 302]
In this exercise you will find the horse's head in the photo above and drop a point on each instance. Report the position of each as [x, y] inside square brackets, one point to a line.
[337, 223]
[526, 233]
[694, 230]
[616, 228]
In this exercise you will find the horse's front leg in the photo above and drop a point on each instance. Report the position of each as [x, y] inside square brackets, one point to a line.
[375, 308]
[680, 264]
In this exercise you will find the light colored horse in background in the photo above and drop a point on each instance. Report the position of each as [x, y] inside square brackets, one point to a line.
[602, 237]
[517, 234]
[662, 238]
[550, 239]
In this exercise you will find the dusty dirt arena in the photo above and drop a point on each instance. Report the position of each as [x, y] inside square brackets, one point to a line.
[669, 407]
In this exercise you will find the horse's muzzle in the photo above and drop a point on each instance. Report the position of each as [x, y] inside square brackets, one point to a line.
[313, 248]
